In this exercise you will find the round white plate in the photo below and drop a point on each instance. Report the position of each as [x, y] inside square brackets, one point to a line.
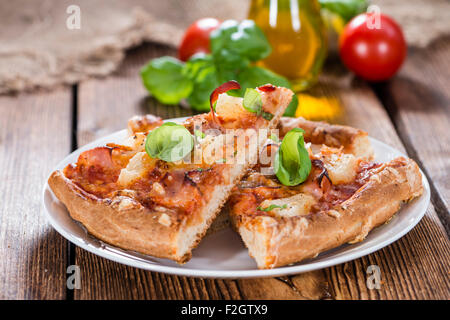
[222, 254]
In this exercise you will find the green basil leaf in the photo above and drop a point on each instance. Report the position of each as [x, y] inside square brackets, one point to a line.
[252, 101]
[234, 42]
[254, 76]
[292, 164]
[271, 207]
[266, 115]
[234, 46]
[203, 73]
[169, 142]
[346, 9]
[197, 64]
[292, 107]
[164, 79]
[199, 134]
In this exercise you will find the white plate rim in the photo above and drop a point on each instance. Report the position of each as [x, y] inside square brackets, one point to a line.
[121, 256]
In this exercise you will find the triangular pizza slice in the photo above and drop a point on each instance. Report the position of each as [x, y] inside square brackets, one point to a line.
[158, 192]
[296, 208]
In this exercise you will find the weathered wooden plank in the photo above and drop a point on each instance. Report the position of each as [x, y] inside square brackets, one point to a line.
[34, 136]
[418, 100]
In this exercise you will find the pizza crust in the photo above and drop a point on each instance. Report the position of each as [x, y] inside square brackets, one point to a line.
[120, 221]
[354, 141]
[277, 242]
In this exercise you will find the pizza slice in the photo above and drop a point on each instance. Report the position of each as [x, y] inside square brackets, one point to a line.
[159, 191]
[286, 213]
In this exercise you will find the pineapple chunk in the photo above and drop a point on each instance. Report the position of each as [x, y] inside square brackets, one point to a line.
[136, 168]
[341, 167]
[230, 108]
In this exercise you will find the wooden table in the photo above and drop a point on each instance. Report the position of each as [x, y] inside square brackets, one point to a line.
[37, 130]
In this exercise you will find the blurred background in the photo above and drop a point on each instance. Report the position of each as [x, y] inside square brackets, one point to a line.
[39, 50]
[49, 43]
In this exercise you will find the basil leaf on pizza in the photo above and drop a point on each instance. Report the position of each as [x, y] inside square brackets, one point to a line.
[252, 102]
[292, 164]
[169, 142]
[271, 207]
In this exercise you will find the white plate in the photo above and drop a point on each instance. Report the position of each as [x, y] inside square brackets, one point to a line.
[223, 255]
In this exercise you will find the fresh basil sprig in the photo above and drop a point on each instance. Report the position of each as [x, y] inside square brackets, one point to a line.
[253, 102]
[235, 47]
[169, 142]
[292, 164]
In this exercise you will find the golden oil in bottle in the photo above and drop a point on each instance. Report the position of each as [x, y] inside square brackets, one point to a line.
[297, 35]
[316, 106]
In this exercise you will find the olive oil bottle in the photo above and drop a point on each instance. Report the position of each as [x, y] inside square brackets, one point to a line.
[297, 35]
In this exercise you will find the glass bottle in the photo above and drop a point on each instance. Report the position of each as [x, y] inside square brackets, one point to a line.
[297, 35]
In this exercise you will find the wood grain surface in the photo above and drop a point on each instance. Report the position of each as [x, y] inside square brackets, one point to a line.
[418, 100]
[35, 133]
[415, 267]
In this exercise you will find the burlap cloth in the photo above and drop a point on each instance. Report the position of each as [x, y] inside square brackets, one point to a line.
[38, 50]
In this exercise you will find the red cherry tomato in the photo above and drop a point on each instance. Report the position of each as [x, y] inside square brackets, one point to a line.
[374, 52]
[196, 38]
